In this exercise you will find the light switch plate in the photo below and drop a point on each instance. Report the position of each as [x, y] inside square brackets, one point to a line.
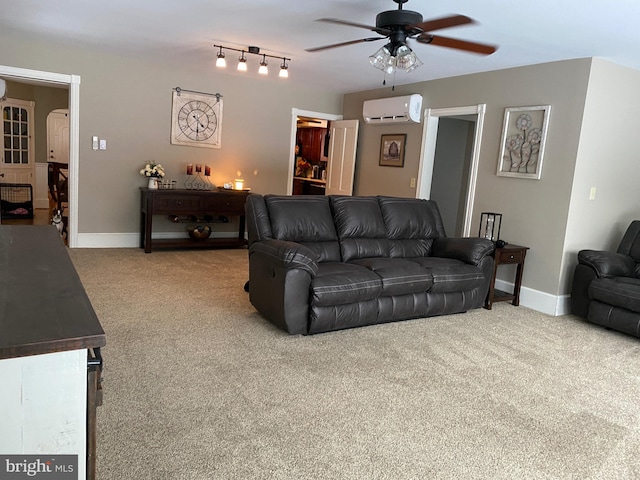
[103, 144]
[94, 142]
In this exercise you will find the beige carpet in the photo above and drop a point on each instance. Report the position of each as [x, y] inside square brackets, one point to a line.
[199, 386]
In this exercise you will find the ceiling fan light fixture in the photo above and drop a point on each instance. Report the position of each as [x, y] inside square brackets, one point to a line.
[383, 60]
[263, 70]
[406, 59]
[220, 61]
[242, 63]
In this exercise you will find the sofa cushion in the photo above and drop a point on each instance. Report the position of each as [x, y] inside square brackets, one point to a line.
[411, 225]
[451, 275]
[623, 292]
[338, 283]
[306, 220]
[399, 276]
[360, 227]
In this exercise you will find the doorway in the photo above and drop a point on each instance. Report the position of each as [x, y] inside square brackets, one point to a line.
[73, 82]
[309, 119]
[459, 218]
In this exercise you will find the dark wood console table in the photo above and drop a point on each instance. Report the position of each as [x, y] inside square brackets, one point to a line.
[509, 254]
[197, 203]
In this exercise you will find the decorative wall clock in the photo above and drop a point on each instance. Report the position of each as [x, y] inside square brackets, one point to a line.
[196, 119]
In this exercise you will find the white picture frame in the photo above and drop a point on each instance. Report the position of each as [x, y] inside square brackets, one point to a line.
[524, 134]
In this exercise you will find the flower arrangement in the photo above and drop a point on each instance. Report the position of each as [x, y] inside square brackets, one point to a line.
[303, 168]
[152, 169]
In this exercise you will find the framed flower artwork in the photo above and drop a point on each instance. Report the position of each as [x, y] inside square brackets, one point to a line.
[524, 133]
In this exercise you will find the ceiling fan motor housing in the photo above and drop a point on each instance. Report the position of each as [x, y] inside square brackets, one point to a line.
[397, 18]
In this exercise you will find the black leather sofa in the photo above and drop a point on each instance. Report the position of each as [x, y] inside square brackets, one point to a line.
[606, 285]
[323, 263]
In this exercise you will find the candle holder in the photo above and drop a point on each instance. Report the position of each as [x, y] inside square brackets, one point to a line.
[207, 182]
[238, 184]
[198, 181]
[188, 182]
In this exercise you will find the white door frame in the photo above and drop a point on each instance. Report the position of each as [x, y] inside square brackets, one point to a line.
[428, 152]
[295, 113]
[73, 82]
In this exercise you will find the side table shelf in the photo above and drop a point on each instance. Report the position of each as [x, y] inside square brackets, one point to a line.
[507, 255]
[199, 203]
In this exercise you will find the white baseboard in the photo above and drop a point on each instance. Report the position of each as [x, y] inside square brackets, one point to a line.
[555, 305]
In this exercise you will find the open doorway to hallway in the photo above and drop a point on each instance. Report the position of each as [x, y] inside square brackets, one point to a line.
[451, 155]
[72, 84]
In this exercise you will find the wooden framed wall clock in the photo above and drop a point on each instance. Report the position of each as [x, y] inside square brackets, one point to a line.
[196, 119]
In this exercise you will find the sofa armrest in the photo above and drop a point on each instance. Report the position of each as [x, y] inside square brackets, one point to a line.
[468, 249]
[288, 255]
[608, 264]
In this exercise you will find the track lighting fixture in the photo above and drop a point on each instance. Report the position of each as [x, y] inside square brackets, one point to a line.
[263, 70]
[284, 69]
[242, 60]
[220, 61]
[242, 63]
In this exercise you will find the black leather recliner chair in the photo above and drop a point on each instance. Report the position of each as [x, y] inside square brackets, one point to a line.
[606, 285]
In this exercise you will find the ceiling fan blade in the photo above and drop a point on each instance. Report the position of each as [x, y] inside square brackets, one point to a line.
[445, 22]
[457, 44]
[381, 31]
[343, 44]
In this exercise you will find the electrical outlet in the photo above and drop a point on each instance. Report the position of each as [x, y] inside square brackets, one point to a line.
[412, 183]
[592, 193]
[94, 142]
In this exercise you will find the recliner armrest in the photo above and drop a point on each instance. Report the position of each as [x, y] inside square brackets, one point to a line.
[608, 264]
[467, 249]
[290, 254]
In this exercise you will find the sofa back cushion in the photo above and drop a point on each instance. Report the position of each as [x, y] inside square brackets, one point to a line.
[630, 243]
[412, 225]
[306, 220]
[360, 227]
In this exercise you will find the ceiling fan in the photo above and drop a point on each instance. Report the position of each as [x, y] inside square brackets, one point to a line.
[400, 25]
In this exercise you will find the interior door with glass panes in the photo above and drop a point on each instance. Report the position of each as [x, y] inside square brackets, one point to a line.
[18, 148]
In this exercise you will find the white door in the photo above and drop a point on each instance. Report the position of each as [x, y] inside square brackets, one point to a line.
[19, 144]
[342, 157]
[58, 136]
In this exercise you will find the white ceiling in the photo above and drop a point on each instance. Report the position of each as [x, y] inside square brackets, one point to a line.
[166, 30]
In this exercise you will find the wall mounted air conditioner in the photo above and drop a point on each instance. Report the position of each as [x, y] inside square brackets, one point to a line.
[393, 110]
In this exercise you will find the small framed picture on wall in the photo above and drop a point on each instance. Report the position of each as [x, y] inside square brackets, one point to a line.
[392, 150]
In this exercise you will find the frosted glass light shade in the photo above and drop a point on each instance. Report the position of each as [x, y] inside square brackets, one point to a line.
[383, 60]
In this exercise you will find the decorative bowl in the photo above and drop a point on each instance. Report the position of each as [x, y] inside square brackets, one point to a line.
[199, 232]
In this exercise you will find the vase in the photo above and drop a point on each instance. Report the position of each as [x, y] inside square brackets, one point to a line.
[153, 183]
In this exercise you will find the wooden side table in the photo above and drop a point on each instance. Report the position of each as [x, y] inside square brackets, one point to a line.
[509, 254]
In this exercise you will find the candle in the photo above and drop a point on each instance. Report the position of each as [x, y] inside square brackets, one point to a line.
[207, 171]
[239, 184]
[190, 169]
[198, 168]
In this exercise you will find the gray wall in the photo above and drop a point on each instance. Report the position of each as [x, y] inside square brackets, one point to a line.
[534, 211]
[127, 101]
[607, 159]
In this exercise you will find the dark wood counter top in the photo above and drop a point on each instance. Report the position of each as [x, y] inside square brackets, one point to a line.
[43, 305]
